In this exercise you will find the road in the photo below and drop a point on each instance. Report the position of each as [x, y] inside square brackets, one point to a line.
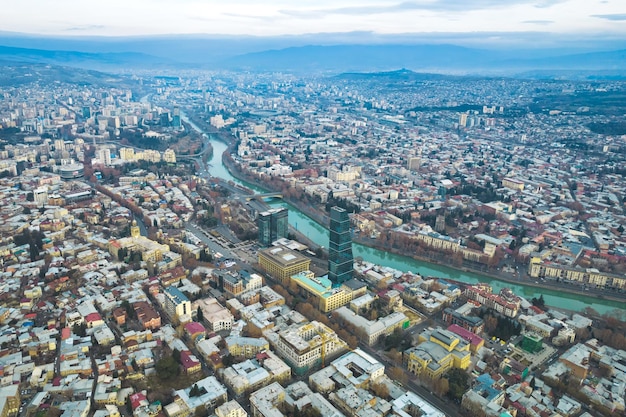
[212, 242]
[444, 405]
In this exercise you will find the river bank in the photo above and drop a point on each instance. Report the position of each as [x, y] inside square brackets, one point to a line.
[323, 220]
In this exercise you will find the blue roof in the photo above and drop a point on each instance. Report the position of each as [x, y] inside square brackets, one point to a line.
[176, 294]
[485, 386]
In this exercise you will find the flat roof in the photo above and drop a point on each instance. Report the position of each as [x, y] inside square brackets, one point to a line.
[283, 256]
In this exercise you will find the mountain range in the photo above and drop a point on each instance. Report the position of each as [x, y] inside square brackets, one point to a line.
[290, 55]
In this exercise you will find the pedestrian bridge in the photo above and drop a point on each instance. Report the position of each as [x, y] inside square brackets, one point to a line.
[264, 196]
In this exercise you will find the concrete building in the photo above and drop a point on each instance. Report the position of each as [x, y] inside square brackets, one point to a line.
[327, 297]
[151, 251]
[9, 400]
[373, 331]
[305, 345]
[246, 347]
[214, 314]
[406, 405]
[177, 305]
[355, 402]
[505, 302]
[282, 263]
[254, 373]
[230, 409]
[169, 156]
[472, 323]
[213, 393]
[438, 351]
[355, 368]
[265, 401]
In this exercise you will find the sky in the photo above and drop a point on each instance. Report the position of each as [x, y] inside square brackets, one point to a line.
[605, 18]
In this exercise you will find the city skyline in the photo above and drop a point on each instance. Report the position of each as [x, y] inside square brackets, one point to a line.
[560, 18]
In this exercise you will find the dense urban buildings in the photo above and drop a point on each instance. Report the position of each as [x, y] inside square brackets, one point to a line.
[128, 267]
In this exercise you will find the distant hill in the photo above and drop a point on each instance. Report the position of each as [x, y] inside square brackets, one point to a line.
[22, 73]
[82, 59]
[435, 58]
[259, 54]
[398, 76]
[423, 58]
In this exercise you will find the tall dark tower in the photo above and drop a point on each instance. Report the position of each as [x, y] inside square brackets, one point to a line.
[176, 117]
[273, 225]
[340, 262]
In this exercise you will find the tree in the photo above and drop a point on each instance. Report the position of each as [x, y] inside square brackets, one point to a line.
[441, 386]
[458, 383]
[395, 339]
[395, 355]
[176, 355]
[167, 368]
[80, 329]
[122, 253]
[380, 390]
[196, 391]
[539, 302]
[130, 311]
[228, 360]
[200, 315]
[397, 374]
[129, 405]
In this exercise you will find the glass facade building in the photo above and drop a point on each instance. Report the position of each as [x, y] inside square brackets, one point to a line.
[340, 262]
[273, 225]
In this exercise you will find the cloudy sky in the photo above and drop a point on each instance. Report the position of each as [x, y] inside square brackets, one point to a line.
[282, 17]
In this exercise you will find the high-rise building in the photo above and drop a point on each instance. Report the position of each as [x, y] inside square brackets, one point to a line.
[165, 119]
[273, 225]
[176, 117]
[104, 155]
[40, 195]
[177, 305]
[340, 262]
[463, 120]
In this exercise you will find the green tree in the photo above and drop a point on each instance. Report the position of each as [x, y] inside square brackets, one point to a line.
[80, 329]
[458, 383]
[539, 302]
[228, 360]
[167, 368]
[196, 391]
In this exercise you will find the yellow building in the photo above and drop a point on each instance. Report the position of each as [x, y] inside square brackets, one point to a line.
[588, 276]
[9, 400]
[437, 352]
[151, 251]
[246, 347]
[321, 289]
[169, 156]
[513, 184]
[282, 263]
[438, 241]
[230, 409]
